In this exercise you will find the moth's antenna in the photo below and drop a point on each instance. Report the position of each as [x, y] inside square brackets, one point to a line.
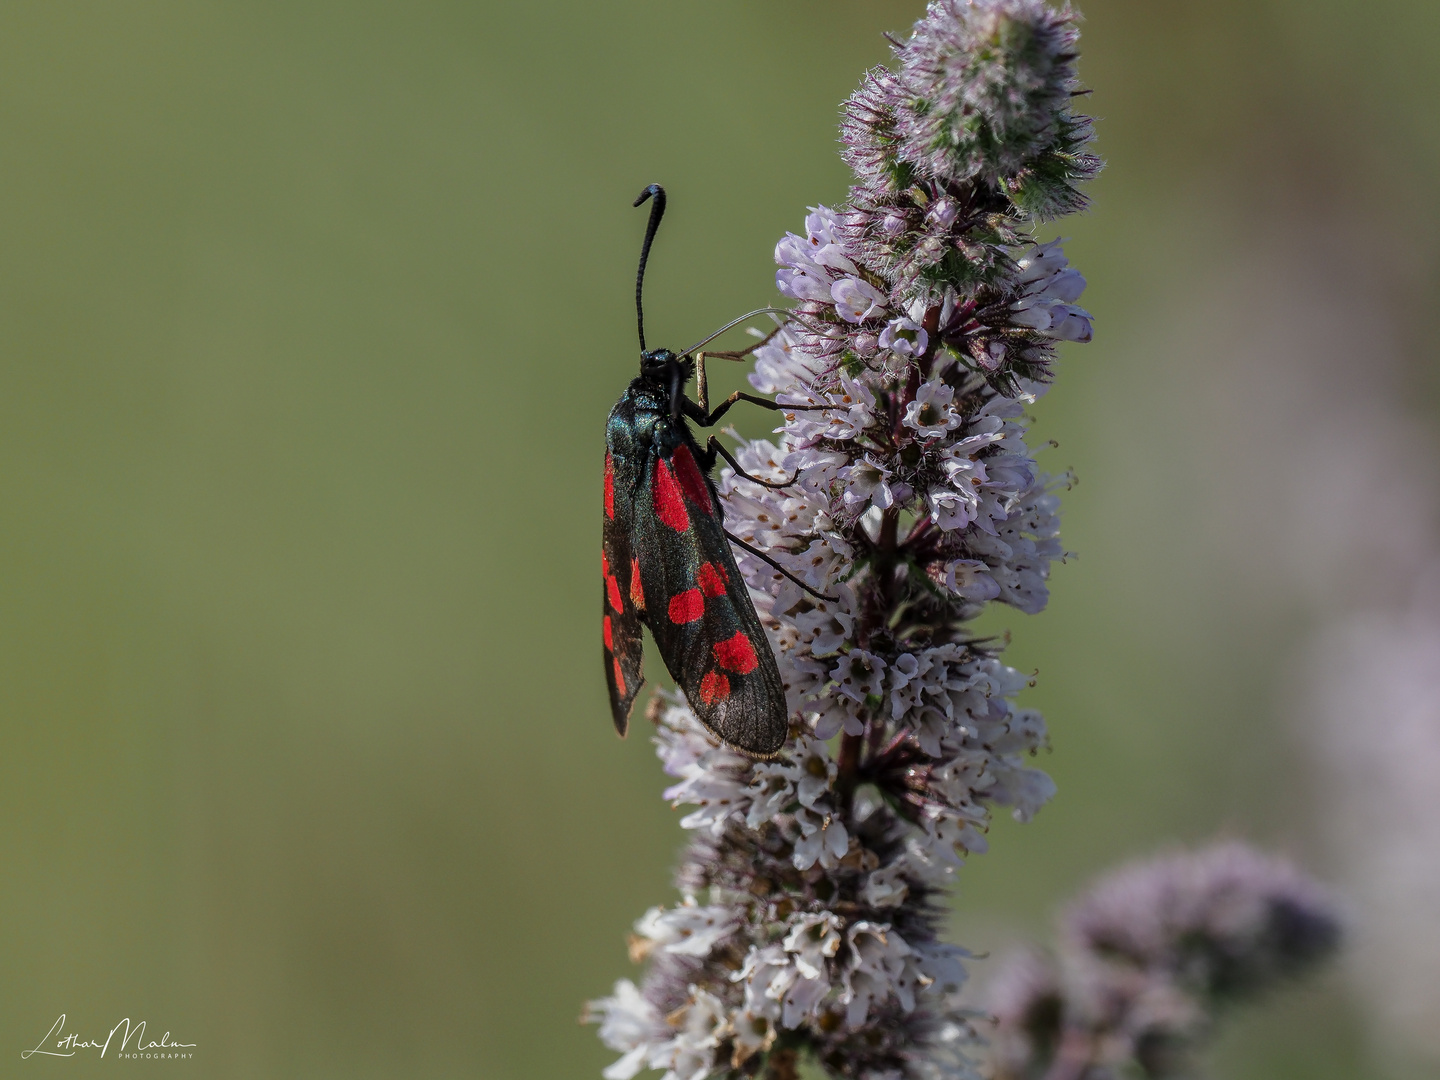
[790, 317]
[735, 322]
[657, 211]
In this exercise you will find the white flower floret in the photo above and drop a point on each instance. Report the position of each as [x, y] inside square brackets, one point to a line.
[801, 1000]
[816, 768]
[796, 251]
[837, 713]
[688, 930]
[951, 836]
[780, 364]
[885, 887]
[702, 1027]
[628, 1023]
[1066, 286]
[772, 789]
[1052, 318]
[856, 300]
[940, 966]
[1049, 288]
[966, 474]
[859, 674]
[867, 482]
[816, 467]
[812, 940]
[932, 413]
[962, 467]
[833, 257]
[904, 337]
[1070, 323]
[1025, 790]
[1044, 261]
[709, 775]
[852, 412]
[859, 404]
[717, 795]
[825, 627]
[758, 458]
[951, 508]
[876, 965]
[971, 579]
[753, 1034]
[820, 225]
[767, 973]
[803, 284]
[904, 671]
[823, 839]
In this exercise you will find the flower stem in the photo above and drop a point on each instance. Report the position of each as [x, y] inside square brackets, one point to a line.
[847, 766]
[847, 762]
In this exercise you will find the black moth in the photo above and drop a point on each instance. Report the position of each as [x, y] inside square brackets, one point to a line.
[666, 554]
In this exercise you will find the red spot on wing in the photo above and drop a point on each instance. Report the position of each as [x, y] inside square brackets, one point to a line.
[714, 688]
[609, 639]
[637, 594]
[609, 488]
[736, 654]
[691, 480]
[669, 506]
[712, 579]
[612, 587]
[619, 678]
[686, 607]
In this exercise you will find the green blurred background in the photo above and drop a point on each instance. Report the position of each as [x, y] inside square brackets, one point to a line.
[310, 317]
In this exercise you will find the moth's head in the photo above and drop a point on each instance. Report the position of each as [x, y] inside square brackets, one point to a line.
[664, 365]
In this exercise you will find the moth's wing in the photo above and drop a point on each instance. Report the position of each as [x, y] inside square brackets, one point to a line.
[623, 604]
[699, 612]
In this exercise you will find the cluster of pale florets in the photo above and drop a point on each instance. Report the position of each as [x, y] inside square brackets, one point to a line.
[924, 323]
[815, 931]
[1149, 956]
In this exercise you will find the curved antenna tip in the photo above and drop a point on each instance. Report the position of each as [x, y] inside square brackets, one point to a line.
[657, 211]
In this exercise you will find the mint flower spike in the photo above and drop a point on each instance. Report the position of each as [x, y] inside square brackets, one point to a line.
[970, 141]
[812, 889]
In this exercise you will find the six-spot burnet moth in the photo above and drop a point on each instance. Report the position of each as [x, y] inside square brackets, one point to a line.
[666, 555]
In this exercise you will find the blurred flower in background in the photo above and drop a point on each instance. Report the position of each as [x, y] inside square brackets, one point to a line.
[1368, 710]
[1147, 960]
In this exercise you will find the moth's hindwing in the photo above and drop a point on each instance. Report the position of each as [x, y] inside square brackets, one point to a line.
[698, 610]
[624, 601]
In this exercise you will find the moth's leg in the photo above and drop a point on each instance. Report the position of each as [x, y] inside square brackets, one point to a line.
[702, 388]
[761, 555]
[713, 447]
[709, 419]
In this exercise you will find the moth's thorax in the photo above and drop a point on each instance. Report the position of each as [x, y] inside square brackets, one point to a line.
[640, 419]
[645, 396]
